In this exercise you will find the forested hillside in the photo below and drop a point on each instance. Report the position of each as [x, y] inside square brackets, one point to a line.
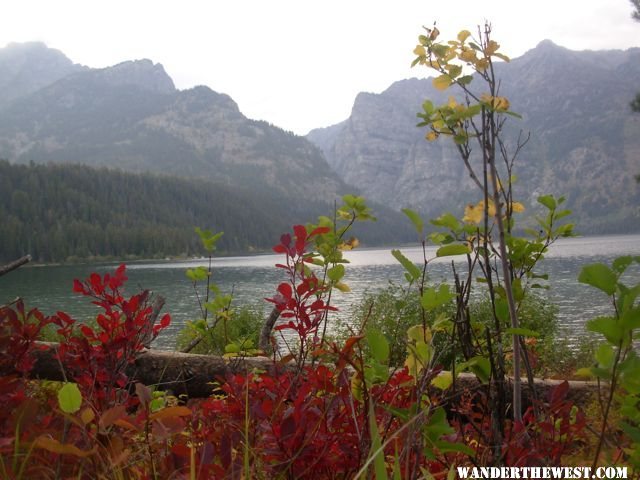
[55, 212]
[59, 212]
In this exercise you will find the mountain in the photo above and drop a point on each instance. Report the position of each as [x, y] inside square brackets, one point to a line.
[27, 67]
[131, 117]
[584, 140]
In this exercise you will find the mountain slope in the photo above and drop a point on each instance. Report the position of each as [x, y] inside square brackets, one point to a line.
[131, 116]
[585, 142]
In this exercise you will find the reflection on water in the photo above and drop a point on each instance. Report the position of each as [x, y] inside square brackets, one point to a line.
[253, 278]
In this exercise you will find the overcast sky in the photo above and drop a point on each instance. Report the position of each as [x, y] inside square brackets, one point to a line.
[295, 63]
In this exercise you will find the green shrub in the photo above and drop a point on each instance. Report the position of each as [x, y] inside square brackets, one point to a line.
[242, 328]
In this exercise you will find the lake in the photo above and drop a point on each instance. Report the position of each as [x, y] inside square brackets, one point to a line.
[252, 278]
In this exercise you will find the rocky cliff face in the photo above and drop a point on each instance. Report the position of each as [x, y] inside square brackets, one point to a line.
[585, 141]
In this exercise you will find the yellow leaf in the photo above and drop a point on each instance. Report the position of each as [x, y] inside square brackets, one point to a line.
[413, 365]
[420, 51]
[482, 64]
[434, 64]
[486, 98]
[468, 55]
[473, 214]
[343, 287]
[452, 102]
[501, 103]
[350, 244]
[463, 35]
[443, 380]
[356, 387]
[492, 47]
[492, 208]
[87, 415]
[517, 207]
[418, 333]
[442, 82]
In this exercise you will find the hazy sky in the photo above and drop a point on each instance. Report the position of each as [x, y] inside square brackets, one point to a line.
[295, 63]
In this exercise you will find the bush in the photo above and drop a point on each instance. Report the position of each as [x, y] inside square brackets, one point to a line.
[394, 310]
[242, 328]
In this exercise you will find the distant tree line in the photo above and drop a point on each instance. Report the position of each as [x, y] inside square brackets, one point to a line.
[61, 212]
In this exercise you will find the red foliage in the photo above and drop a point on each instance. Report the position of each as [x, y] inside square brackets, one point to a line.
[301, 298]
[303, 421]
[98, 358]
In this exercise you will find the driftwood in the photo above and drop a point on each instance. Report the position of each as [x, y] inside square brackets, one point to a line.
[265, 334]
[15, 264]
[199, 376]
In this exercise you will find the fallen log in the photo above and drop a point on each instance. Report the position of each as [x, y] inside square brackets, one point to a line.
[199, 376]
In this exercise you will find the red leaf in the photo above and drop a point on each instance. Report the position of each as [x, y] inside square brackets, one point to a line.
[559, 393]
[165, 321]
[286, 290]
[320, 231]
[77, 286]
[280, 249]
[301, 238]
[86, 331]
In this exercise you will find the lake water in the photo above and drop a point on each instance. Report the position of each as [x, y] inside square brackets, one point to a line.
[252, 278]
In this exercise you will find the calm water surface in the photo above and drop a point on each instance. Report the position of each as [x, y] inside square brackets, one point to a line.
[252, 278]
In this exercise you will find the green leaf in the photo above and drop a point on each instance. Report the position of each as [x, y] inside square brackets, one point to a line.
[600, 276]
[584, 372]
[379, 464]
[378, 345]
[446, 447]
[605, 355]
[465, 80]
[69, 398]
[408, 265]
[336, 273]
[447, 220]
[197, 274]
[432, 298]
[632, 431]
[455, 249]
[620, 264]
[443, 380]
[525, 332]
[415, 219]
[427, 106]
[208, 238]
[480, 366]
[608, 327]
[438, 425]
[548, 201]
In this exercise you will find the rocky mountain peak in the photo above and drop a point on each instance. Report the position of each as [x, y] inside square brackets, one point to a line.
[28, 67]
[141, 73]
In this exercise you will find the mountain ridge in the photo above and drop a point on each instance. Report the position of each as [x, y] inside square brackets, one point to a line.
[585, 141]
